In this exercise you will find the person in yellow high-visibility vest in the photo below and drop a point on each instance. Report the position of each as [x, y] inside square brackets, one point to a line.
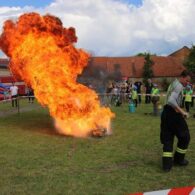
[155, 98]
[134, 95]
[188, 97]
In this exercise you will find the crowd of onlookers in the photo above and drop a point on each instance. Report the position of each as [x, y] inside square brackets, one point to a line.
[117, 93]
[125, 91]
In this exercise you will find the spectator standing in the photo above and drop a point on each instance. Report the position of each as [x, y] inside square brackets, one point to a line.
[30, 95]
[123, 91]
[155, 99]
[188, 97]
[109, 89]
[193, 88]
[134, 95]
[148, 90]
[138, 84]
[115, 93]
[14, 94]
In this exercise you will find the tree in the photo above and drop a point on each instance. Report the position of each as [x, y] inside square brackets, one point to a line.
[147, 72]
[145, 53]
[189, 62]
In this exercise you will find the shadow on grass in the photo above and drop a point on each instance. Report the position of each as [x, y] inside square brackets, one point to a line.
[38, 121]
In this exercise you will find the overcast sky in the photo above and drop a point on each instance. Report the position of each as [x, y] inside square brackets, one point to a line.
[117, 27]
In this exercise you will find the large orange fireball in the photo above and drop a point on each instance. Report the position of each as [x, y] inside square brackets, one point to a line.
[42, 53]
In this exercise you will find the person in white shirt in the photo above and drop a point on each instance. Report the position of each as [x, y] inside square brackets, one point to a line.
[14, 94]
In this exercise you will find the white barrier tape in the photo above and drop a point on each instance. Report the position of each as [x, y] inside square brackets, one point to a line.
[106, 94]
[173, 191]
[141, 94]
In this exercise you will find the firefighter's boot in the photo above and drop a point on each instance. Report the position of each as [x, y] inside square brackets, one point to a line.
[179, 157]
[167, 163]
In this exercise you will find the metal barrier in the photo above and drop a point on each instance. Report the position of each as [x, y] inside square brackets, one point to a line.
[17, 99]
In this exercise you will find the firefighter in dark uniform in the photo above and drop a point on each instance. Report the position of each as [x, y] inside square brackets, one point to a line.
[173, 124]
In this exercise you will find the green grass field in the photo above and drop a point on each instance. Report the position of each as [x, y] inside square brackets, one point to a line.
[36, 160]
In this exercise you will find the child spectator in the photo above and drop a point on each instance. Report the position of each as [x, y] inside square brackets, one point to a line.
[6, 94]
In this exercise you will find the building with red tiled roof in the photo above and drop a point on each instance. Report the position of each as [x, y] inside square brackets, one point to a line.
[133, 66]
[181, 53]
[115, 67]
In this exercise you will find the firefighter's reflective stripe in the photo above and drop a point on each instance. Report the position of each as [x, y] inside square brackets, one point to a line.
[167, 154]
[182, 151]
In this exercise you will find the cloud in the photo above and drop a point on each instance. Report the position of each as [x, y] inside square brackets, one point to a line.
[116, 28]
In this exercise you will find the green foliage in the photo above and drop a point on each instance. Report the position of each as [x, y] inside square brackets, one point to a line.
[36, 160]
[147, 69]
[144, 54]
[189, 62]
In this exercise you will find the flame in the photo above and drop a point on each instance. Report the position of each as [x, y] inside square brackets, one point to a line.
[43, 54]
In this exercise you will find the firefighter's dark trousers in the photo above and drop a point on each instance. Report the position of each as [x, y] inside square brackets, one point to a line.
[173, 124]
